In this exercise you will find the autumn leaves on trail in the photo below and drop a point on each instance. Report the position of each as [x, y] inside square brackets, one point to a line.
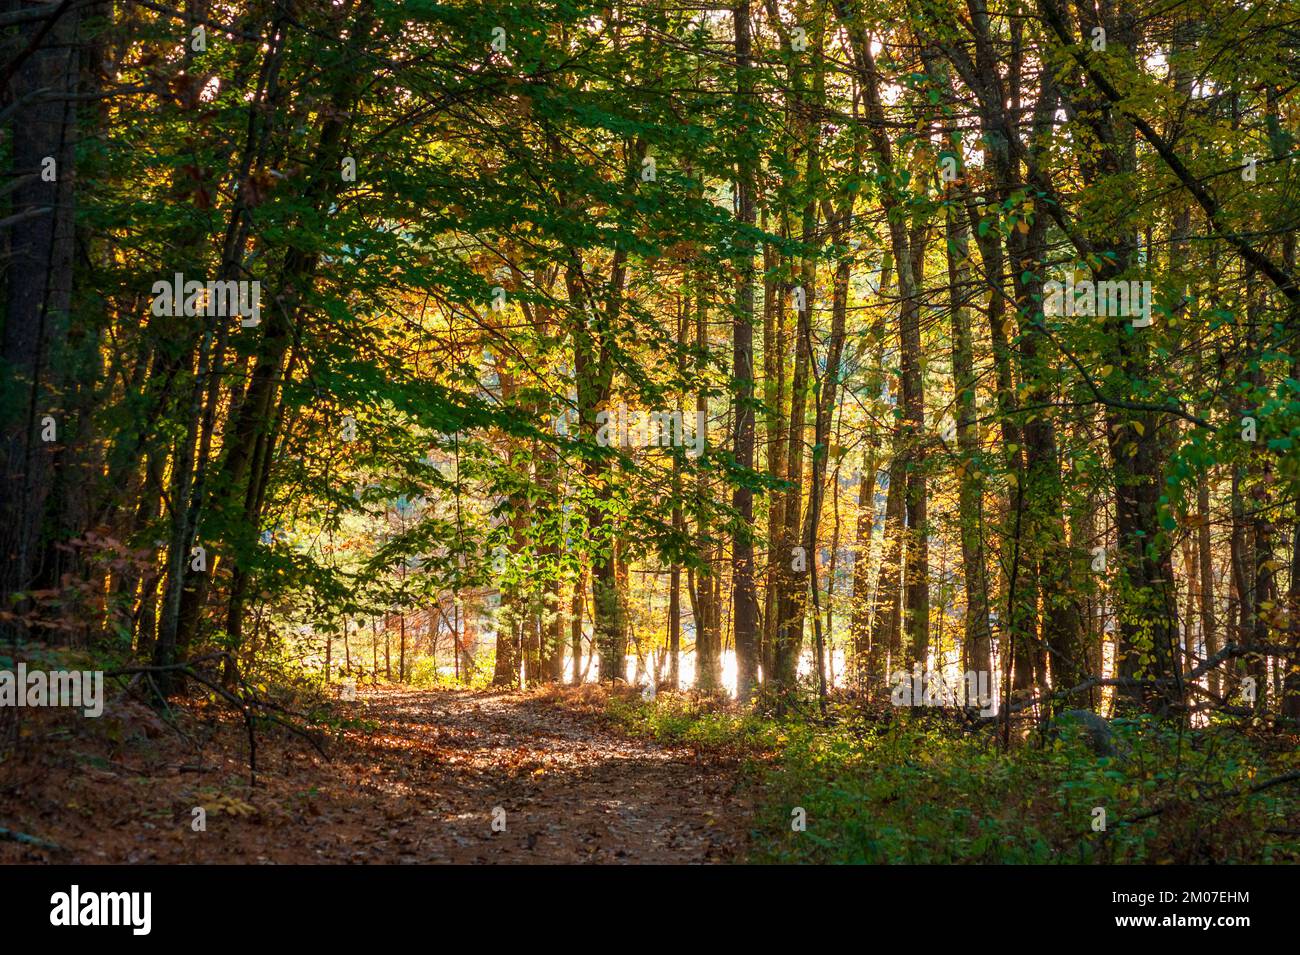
[572, 789]
[416, 777]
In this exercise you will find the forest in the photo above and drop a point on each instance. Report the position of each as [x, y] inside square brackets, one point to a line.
[846, 430]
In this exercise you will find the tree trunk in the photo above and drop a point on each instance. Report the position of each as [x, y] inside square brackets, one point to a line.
[977, 639]
[745, 600]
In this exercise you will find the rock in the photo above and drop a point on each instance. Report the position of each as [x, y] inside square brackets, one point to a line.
[1095, 730]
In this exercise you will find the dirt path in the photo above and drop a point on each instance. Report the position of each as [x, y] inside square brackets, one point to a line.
[417, 782]
[572, 790]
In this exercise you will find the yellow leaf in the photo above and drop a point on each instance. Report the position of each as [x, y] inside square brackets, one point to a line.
[1139, 428]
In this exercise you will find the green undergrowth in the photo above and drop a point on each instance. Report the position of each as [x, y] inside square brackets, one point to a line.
[426, 675]
[909, 787]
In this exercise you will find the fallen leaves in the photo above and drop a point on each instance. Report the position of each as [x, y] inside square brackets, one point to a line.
[419, 786]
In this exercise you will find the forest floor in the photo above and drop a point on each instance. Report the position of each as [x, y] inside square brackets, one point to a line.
[413, 776]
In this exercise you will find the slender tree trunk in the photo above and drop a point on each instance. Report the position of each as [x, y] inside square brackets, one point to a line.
[886, 633]
[860, 616]
[575, 625]
[745, 600]
[977, 640]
